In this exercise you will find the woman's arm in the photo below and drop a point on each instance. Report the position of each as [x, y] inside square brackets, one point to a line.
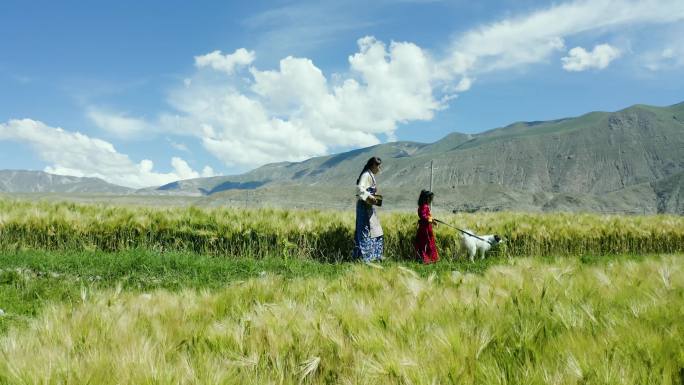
[362, 188]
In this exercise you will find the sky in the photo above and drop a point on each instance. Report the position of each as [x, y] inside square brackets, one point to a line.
[144, 93]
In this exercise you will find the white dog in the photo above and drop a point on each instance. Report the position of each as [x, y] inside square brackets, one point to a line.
[472, 244]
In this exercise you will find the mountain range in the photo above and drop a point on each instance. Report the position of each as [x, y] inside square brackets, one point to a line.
[628, 161]
[23, 181]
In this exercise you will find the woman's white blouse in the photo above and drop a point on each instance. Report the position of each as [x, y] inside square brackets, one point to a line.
[365, 182]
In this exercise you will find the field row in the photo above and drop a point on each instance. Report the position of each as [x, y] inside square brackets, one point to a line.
[321, 235]
[528, 321]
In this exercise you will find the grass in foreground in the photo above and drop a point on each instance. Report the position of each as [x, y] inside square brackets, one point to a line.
[31, 279]
[527, 321]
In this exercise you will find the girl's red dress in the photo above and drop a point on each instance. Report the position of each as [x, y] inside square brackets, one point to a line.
[425, 239]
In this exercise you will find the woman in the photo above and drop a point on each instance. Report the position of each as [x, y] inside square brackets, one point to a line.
[425, 238]
[368, 238]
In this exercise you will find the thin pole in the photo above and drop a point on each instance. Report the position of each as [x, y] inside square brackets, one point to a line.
[431, 169]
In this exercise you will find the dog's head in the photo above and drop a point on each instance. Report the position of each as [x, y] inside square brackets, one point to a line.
[498, 239]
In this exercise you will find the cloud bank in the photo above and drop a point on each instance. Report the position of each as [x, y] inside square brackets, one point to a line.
[252, 116]
[75, 154]
[533, 38]
[294, 112]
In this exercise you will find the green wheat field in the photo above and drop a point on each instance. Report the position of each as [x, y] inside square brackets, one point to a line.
[102, 294]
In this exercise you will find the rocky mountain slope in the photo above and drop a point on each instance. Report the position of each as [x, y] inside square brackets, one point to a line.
[626, 161]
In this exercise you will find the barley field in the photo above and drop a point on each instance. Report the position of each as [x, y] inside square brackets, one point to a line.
[318, 235]
[101, 294]
[526, 321]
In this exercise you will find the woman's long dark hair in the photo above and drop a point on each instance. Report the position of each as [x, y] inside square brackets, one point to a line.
[425, 197]
[371, 162]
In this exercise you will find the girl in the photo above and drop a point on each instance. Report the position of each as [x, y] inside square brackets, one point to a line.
[425, 238]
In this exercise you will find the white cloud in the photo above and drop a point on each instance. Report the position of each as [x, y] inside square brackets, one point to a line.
[178, 146]
[184, 171]
[297, 28]
[669, 57]
[535, 37]
[72, 153]
[226, 63]
[579, 59]
[118, 124]
[295, 112]
[208, 172]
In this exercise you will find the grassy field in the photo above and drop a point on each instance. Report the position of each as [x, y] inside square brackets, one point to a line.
[319, 235]
[136, 318]
[31, 279]
[105, 294]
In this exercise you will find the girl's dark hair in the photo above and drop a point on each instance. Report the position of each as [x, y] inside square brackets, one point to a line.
[425, 197]
[371, 162]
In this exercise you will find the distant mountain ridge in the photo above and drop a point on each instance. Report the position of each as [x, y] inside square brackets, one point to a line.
[23, 181]
[595, 156]
[628, 161]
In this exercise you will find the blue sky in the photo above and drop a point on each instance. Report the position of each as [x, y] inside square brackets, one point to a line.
[144, 93]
